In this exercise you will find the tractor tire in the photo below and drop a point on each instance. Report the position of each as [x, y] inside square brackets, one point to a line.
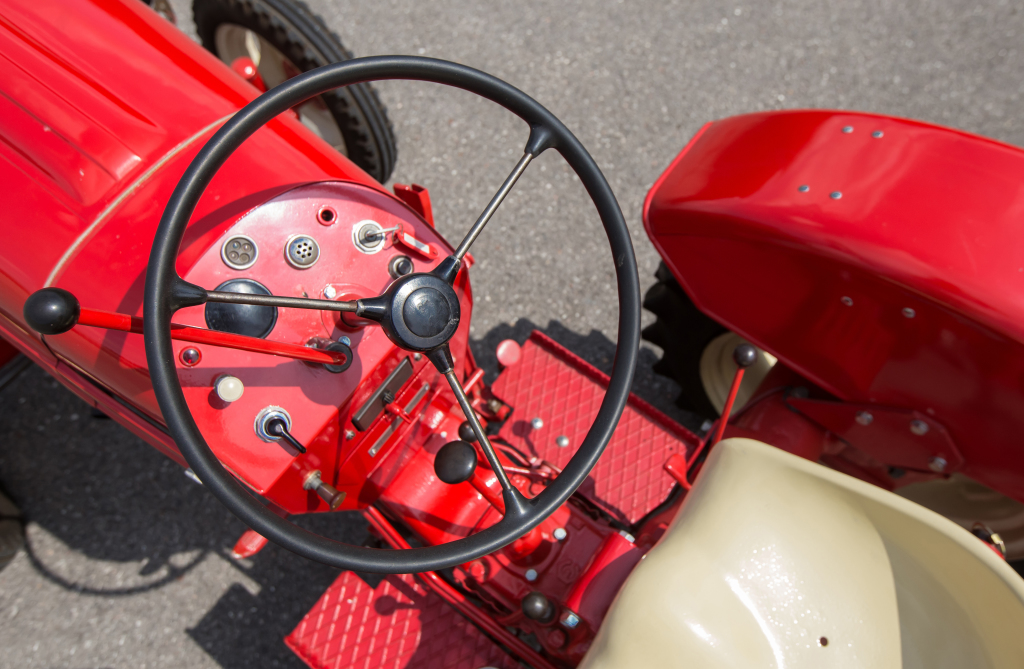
[284, 38]
[682, 332]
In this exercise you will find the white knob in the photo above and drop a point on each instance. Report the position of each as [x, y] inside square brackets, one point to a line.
[229, 388]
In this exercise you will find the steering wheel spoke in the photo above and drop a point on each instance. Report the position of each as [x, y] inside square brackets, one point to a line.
[492, 206]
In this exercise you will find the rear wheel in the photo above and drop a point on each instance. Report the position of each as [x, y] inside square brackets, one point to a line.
[283, 39]
[697, 350]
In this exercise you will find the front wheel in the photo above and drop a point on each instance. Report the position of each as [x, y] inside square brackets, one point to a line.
[283, 39]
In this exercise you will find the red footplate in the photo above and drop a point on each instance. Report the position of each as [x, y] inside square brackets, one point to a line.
[397, 625]
[564, 391]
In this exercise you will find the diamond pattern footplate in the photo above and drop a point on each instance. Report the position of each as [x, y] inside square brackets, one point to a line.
[565, 392]
[398, 625]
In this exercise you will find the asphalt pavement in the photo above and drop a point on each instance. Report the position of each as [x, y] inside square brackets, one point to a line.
[126, 563]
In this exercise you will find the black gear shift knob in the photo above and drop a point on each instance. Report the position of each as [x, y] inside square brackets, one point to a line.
[51, 311]
[455, 462]
[744, 355]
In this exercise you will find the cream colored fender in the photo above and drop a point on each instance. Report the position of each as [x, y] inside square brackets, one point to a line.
[775, 561]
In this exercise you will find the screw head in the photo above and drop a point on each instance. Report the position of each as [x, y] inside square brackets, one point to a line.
[847, 129]
[570, 620]
[919, 427]
[330, 292]
[560, 534]
[836, 195]
[562, 441]
[417, 356]
[908, 312]
[349, 435]
[190, 357]
[877, 134]
[864, 418]
[531, 575]
[537, 423]
[804, 188]
[937, 464]
[845, 299]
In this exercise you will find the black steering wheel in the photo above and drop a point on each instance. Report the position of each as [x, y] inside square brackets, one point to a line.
[419, 312]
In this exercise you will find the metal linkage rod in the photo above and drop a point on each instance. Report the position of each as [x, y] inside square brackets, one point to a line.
[493, 205]
[478, 430]
[278, 301]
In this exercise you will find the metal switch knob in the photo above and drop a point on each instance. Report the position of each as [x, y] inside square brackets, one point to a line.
[327, 492]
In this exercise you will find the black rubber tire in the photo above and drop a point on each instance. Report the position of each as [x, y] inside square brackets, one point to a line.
[308, 43]
[682, 332]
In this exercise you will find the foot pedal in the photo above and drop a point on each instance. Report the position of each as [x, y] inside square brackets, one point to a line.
[396, 625]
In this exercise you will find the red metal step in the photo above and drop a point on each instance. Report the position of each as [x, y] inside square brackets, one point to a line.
[399, 624]
[551, 383]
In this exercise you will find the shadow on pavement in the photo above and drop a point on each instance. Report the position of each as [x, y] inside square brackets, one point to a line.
[107, 496]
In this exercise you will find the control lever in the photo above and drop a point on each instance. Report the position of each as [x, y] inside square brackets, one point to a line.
[276, 427]
[327, 492]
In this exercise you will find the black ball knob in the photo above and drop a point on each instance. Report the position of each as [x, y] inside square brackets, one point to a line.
[455, 462]
[745, 355]
[537, 607]
[466, 432]
[51, 311]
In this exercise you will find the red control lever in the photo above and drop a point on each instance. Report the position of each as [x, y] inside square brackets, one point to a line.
[125, 323]
[52, 311]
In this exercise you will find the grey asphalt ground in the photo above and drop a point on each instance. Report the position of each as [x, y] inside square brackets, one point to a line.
[127, 562]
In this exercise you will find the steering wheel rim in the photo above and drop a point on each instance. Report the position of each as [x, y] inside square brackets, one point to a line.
[166, 292]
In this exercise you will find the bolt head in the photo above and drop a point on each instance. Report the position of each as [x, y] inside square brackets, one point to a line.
[908, 312]
[562, 441]
[349, 435]
[804, 188]
[330, 292]
[531, 575]
[560, 534]
[864, 417]
[877, 134]
[847, 129]
[570, 620]
[919, 427]
[937, 464]
[537, 423]
[847, 300]
[836, 195]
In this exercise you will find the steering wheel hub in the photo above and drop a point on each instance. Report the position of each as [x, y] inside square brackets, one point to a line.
[426, 313]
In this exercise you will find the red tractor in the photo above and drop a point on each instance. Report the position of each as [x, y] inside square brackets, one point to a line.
[200, 262]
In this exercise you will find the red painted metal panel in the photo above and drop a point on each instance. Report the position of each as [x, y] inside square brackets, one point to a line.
[905, 289]
[397, 625]
[565, 392]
